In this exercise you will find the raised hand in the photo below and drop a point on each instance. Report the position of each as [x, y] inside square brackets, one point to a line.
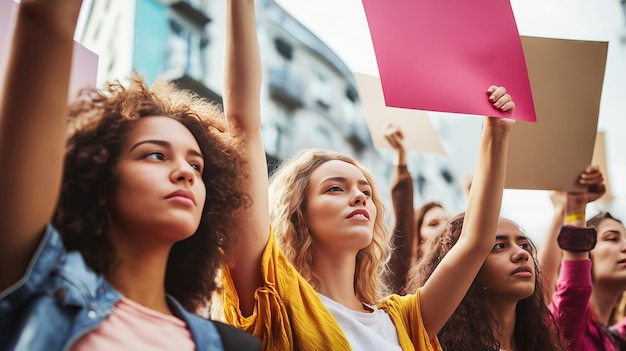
[593, 179]
[503, 102]
[500, 99]
[394, 136]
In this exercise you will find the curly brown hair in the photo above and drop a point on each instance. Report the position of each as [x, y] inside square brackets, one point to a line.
[470, 326]
[288, 189]
[99, 121]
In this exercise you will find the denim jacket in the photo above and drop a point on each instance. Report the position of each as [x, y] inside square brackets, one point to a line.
[60, 299]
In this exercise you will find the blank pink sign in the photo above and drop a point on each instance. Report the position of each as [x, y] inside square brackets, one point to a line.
[442, 55]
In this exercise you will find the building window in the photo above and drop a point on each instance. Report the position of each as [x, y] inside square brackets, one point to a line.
[320, 90]
[276, 136]
[351, 94]
[285, 86]
[420, 183]
[193, 11]
[284, 48]
[446, 175]
[186, 51]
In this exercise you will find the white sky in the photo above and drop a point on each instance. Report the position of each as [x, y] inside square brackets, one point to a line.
[343, 26]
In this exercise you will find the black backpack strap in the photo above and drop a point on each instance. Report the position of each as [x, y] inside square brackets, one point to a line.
[618, 340]
[235, 339]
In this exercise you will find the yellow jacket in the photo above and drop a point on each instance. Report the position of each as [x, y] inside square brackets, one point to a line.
[289, 315]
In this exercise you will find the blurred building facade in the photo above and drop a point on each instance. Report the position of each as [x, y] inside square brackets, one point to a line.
[309, 95]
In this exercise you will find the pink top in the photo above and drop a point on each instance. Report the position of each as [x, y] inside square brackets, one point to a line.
[572, 310]
[132, 326]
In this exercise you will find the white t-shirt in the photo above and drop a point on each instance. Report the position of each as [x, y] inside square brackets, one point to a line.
[365, 331]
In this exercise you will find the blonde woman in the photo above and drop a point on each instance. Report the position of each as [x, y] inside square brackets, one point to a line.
[315, 282]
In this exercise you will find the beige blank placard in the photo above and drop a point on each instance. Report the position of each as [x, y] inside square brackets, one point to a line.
[566, 78]
[419, 133]
[599, 159]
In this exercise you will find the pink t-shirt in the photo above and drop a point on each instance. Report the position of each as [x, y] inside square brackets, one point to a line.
[135, 327]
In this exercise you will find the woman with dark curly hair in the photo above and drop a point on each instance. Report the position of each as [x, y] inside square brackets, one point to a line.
[109, 241]
[504, 307]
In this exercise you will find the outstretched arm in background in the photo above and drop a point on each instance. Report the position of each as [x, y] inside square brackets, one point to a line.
[550, 254]
[242, 106]
[452, 278]
[402, 200]
[33, 102]
[570, 302]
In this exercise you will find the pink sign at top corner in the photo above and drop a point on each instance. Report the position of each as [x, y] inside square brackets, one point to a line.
[443, 55]
[84, 71]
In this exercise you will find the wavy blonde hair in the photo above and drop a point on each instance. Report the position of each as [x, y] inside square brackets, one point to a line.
[288, 189]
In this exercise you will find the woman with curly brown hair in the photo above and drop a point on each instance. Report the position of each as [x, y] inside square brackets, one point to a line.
[105, 236]
[504, 307]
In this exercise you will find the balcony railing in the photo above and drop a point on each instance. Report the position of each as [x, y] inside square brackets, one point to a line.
[286, 88]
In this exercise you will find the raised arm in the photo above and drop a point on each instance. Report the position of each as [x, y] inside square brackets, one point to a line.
[569, 304]
[33, 101]
[242, 106]
[450, 281]
[549, 254]
[402, 201]
[566, 204]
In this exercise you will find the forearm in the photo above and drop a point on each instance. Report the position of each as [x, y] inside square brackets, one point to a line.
[33, 101]
[403, 231]
[485, 199]
[450, 281]
[570, 303]
[402, 201]
[242, 101]
[574, 208]
[549, 254]
[242, 68]
[401, 157]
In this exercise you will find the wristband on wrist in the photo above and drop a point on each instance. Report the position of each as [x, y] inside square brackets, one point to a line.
[575, 217]
[577, 239]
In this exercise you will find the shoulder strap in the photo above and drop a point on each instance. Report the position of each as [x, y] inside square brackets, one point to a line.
[618, 340]
[235, 339]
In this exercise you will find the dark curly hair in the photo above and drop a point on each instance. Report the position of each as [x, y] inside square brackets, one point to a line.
[470, 326]
[99, 121]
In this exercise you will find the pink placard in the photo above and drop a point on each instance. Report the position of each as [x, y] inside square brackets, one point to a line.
[84, 62]
[443, 55]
